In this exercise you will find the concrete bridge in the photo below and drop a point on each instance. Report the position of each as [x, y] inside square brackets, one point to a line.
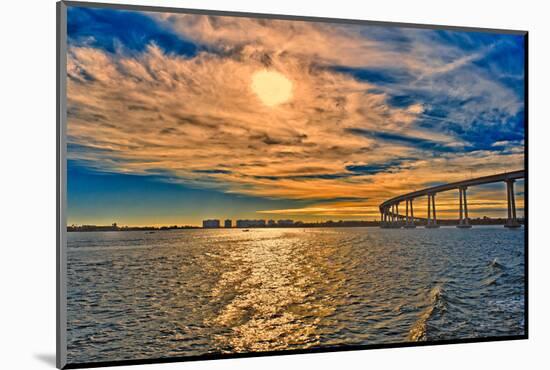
[391, 218]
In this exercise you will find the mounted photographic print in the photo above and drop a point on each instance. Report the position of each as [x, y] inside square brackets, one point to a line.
[235, 184]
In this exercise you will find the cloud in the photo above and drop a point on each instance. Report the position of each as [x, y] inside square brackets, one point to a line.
[118, 30]
[373, 112]
[407, 140]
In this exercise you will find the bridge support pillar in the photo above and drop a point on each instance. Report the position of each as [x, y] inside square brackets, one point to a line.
[409, 220]
[432, 217]
[394, 217]
[397, 217]
[429, 219]
[463, 222]
[512, 221]
[384, 217]
[412, 213]
[387, 217]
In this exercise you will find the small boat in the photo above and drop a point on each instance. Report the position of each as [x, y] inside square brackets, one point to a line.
[245, 230]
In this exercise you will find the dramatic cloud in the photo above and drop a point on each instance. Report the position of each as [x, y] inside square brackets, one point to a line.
[373, 111]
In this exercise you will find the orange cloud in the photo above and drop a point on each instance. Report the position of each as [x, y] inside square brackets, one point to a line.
[197, 120]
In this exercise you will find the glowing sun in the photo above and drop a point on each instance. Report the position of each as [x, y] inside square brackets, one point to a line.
[272, 87]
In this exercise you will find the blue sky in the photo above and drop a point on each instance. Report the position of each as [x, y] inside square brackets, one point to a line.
[166, 126]
[147, 200]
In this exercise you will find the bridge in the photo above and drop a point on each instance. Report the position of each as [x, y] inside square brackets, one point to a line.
[391, 218]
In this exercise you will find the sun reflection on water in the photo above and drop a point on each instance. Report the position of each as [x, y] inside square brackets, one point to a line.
[275, 303]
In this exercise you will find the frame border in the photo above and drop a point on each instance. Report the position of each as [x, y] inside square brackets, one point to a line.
[61, 185]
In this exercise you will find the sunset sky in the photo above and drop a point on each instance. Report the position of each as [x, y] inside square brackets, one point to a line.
[174, 118]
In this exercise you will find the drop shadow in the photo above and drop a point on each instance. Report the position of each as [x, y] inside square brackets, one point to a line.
[46, 358]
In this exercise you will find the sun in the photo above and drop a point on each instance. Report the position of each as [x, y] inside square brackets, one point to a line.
[273, 88]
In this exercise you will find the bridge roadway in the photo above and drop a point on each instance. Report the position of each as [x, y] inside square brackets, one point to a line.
[391, 218]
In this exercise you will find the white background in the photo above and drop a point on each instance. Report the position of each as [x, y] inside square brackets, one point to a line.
[27, 182]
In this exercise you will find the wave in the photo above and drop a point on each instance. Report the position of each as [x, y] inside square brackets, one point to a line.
[489, 281]
[496, 264]
[496, 271]
[419, 331]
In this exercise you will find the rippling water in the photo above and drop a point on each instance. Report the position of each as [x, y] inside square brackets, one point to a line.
[134, 295]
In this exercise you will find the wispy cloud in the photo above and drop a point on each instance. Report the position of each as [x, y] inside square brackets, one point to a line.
[374, 112]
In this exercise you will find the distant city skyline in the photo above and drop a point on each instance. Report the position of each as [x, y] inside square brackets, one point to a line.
[245, 224]
[174, 120]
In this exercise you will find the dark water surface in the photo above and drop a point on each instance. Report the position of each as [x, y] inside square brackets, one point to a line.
[133, 295]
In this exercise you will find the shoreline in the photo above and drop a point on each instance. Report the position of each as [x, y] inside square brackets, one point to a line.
[335, 225]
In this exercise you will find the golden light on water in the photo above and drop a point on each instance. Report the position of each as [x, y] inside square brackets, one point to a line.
[273, 88]
[276, 278]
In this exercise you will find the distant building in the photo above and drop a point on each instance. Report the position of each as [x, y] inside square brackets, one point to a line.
[271, 223]
[250, 223]
[285, 222]
[210, 224]
[228, 224]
